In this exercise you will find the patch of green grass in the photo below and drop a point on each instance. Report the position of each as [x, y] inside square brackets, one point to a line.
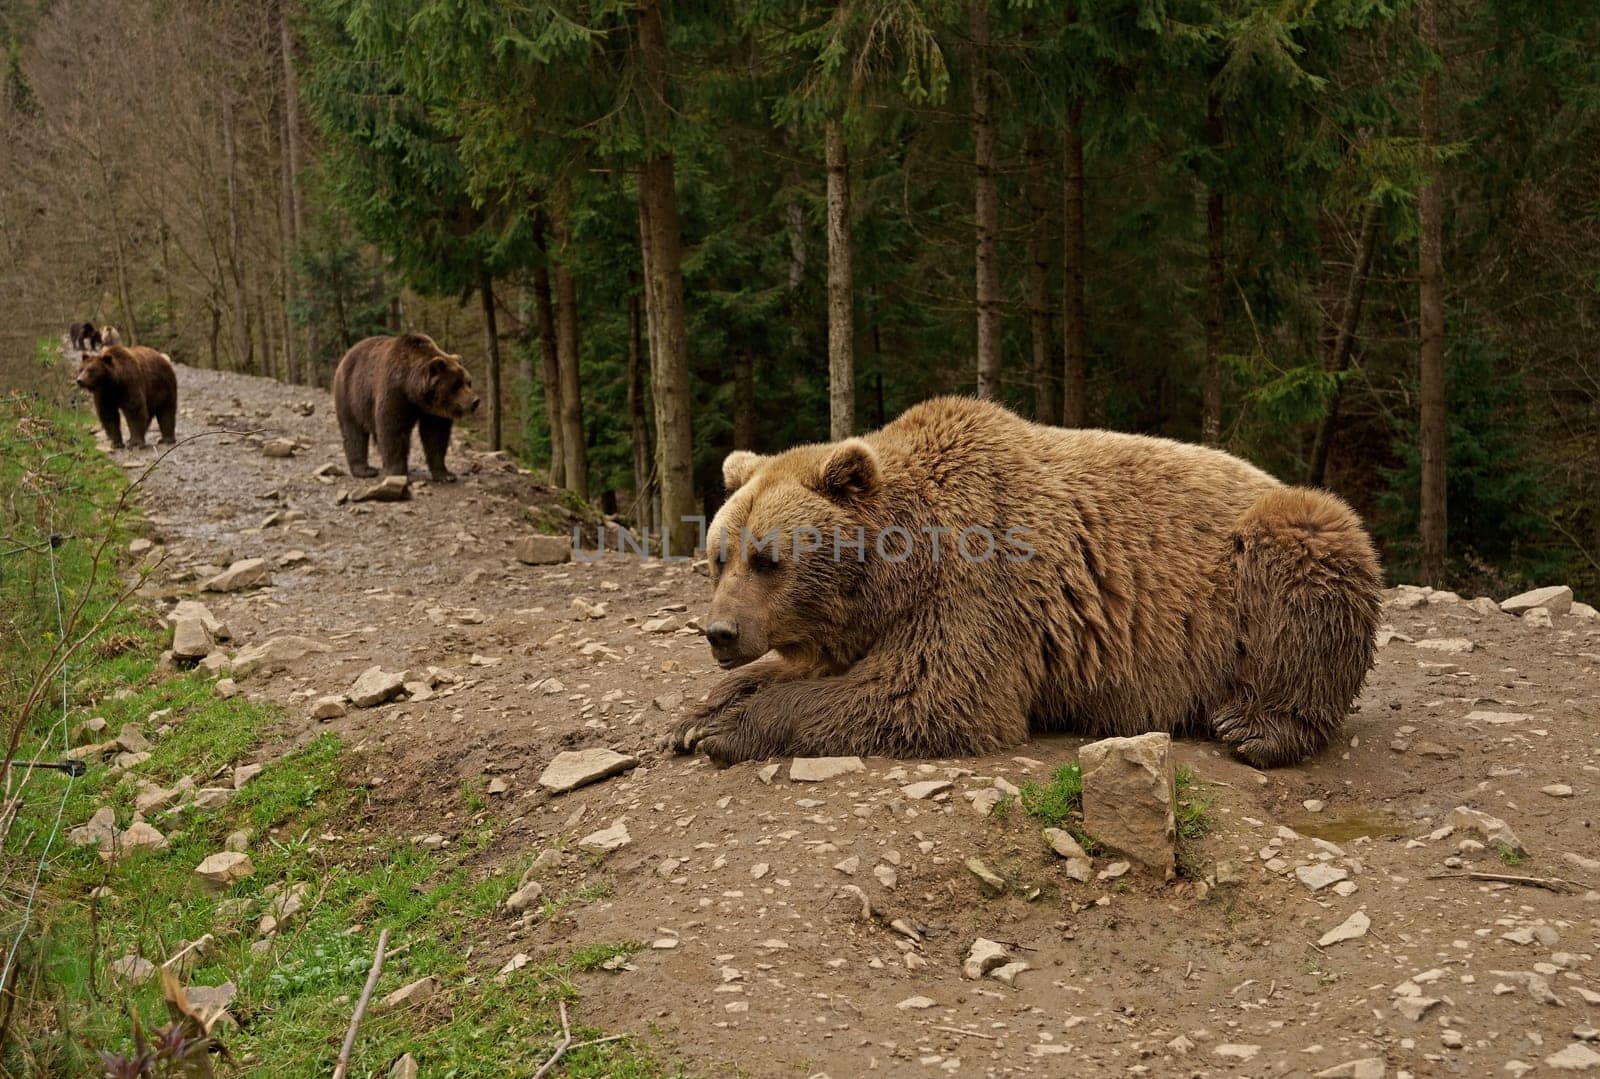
[1056, 802]
[595, 955]
[1193, 806]
[1511, 857]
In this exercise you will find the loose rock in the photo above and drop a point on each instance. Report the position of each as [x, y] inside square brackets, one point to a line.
[1496, 832]
[413, 995]
[225, 868]
[245, 573]
[1351, 928]
[606, 840]
[578, 768]
[820, 769]
[389, 489]
[1129, 795]
[984, 955]
[543, 550]
[1557, 599]
[376, 686]
[274, 654]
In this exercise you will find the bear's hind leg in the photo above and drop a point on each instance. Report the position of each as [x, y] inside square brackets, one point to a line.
[356, 441]
[167, 420]
[1307, 587]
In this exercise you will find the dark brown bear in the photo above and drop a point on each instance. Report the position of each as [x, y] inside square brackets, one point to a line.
[85, 338]
[385, 386]
[944, 585]
[138, 382]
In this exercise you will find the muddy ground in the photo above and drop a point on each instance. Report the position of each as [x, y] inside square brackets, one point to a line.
[756, 960]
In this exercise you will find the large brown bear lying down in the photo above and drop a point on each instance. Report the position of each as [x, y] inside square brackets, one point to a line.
[385, 386]
[1133, 584]
[139, 383]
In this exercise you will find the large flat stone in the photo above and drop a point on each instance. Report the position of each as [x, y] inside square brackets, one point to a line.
[543, 550]
[1130, 796]
[225, 868]
[274, 654]
[245, 573]
[819, 769]
[578, 768]
[1557, 599]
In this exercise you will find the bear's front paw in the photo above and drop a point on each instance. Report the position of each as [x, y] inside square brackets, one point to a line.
[364, 472]
[706, 724]
[445, 477]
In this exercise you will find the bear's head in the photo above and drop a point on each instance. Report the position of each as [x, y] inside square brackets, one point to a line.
[784, 552]
[447, 387]
[98, 368]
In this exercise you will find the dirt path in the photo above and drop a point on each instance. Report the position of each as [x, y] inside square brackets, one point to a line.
[754, 961]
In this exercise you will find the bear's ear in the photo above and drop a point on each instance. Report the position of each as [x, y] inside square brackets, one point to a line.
[438, 366]
[738, 467]
[849, 469]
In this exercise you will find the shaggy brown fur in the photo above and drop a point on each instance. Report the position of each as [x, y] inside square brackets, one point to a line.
[385, 386]
[1170, 588]
[139, 383]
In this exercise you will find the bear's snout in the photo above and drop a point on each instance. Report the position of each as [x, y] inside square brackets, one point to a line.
[723, 636]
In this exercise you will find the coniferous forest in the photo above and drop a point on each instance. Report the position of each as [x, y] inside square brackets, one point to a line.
[1355, 241]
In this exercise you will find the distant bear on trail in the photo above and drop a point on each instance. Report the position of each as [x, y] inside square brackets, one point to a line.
[139, 383]
[385, 386]
[1133, 584]
[85, 338]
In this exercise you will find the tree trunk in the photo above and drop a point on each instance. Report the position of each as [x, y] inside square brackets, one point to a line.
[986, 202]
[636, 415]
[243, 355]
[744, 400]
[1075, 373]
[549, 354]
[669, 348]
[291, 109]
[574, 447]
[1431, 432]
[285, 250]
[491, 341]
[1216, 282]
[841, 287]
[1344, 341]
[169, 305]
[1046, 405]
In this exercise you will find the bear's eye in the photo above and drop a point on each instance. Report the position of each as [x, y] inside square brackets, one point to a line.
[762, 562]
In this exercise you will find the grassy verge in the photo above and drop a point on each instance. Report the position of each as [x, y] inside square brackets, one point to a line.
[294, 990]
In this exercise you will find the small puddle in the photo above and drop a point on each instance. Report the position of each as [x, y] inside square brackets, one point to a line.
[1348, 826]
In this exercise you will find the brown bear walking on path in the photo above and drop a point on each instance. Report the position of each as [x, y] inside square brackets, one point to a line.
[1132, 584]
[140, 384]
[385, 386]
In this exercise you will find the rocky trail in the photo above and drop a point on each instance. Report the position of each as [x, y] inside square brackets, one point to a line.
[817, 919]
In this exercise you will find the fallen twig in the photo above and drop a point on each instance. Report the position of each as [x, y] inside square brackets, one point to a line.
[964, 1033]
[203, 942]
[598, 1041]
[566, 1041]
[1552, 884]
[361, 1007]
